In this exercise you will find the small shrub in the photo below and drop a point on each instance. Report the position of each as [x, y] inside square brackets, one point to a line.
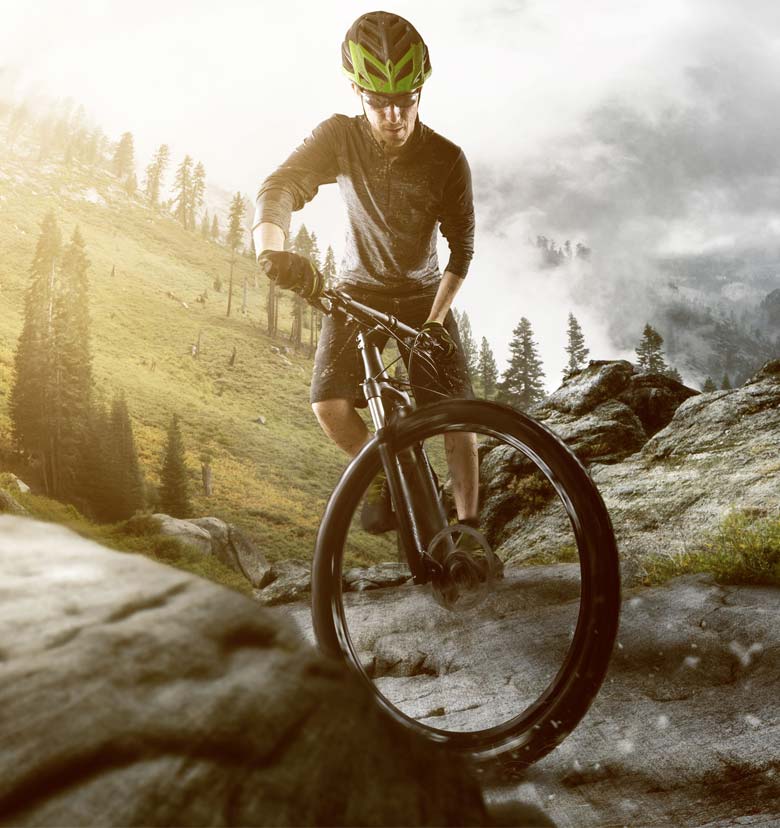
[744, 549]
[535, 493]
[167, 549]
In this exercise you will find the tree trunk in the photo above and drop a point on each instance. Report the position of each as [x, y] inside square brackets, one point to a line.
[205, 473]
[271, 308]
[230, 289]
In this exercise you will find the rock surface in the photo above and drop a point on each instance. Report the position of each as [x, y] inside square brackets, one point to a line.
[210, 535]
[376, 577]
[651, 398]
[233, 547]
[287, 581]
[718, 453]
[185, 531]
[135, 694]
[685, 731]
[10, 504]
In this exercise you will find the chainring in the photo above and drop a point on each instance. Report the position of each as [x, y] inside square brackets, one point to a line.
[464, 578]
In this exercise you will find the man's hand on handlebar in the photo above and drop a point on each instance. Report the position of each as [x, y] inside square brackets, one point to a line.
[292, 271]
[436, 339]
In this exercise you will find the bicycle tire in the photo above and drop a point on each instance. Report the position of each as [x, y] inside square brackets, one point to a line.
[540, 728]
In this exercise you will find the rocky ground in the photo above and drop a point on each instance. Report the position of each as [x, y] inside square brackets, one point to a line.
[689, 460]
[684, 732]
[136, 694]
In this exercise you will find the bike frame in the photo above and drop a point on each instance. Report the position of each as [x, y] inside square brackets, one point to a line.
[419, 513]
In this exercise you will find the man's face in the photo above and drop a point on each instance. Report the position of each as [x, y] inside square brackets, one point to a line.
[391, 117]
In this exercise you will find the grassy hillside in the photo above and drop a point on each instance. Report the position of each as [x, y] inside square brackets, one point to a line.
[272, 479]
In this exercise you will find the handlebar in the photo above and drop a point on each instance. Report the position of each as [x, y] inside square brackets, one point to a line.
[336, 301]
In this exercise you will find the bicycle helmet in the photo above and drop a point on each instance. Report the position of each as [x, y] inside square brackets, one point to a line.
[384, 53]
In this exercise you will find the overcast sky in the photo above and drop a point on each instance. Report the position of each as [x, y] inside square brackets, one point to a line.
[629, 126]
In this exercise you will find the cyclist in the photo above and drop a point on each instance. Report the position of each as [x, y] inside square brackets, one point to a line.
[398, 179]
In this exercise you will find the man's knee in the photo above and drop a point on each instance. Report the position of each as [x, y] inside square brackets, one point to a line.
[328, 411]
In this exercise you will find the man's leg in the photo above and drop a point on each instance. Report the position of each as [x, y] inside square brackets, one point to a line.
[463, 462]
[342, 424]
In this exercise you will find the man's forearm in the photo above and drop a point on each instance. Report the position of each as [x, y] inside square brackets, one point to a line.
[448, 287]
[268, 236]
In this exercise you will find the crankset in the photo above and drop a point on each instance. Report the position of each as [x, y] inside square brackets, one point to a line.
[463, 578]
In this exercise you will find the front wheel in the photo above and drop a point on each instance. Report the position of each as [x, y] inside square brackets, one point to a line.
[507, 676]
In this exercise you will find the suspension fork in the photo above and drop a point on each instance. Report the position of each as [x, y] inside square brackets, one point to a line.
[418, 510]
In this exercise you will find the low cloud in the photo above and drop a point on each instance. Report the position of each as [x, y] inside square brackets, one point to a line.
[697, 173]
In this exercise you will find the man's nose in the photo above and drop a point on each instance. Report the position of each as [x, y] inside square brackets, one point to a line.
[392, 113]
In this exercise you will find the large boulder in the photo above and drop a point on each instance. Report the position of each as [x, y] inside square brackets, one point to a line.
[607, 433]
[184, 531]
[137, 694]
[608, 410]
[231, 546]
[583, 390]
[718, 454]
[10, 504]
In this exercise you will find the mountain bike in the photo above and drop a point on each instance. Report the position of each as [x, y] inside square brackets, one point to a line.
[496, 665]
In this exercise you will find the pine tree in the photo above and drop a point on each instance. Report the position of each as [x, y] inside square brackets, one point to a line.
[97, 469]
[205, 226]
[522, 381]
[303, 244]
[487, 371]
[329, 266]
[315, 254]
[182, 191]
[197, 194]
[215, 228]
[126, 477]
[650, 356]
[29, 393]
[725, 383]
[234, 236]
[91, 146]
[315, 317]
[174, 496]
[124, 156]
[468, 344]
[709, 385]
[674, 374]
[154, 175]
[71, 372]
[575, 347]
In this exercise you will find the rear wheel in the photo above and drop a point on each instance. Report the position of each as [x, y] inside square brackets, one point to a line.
[509, 674]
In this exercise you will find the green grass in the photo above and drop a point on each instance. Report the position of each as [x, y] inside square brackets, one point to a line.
[271, 480]
[744, 549]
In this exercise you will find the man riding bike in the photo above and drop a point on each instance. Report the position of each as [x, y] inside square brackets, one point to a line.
[398, 179]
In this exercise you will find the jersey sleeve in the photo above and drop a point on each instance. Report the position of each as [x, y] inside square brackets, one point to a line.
[457, 217]
[297, 180]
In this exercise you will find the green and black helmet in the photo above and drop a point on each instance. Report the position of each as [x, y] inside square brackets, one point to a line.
[384, 53]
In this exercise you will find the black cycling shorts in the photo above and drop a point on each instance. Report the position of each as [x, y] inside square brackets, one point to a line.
[338, 368]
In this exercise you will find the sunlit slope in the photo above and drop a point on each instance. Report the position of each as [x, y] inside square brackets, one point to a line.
[271, 479]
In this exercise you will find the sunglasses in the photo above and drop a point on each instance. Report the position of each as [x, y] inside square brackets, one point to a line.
[379, 102]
